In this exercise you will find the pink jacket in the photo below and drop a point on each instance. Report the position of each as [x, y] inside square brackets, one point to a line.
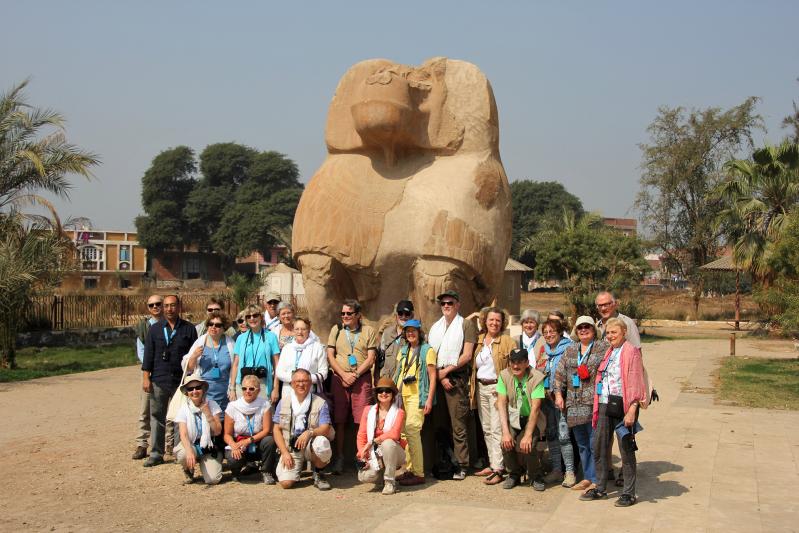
[633, 386]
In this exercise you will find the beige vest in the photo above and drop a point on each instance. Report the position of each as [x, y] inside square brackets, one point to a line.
[535, 377]
[313, 415]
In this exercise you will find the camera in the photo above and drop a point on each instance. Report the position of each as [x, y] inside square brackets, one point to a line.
[257, 371]
[362, 465]
[408, 380]
[293, 442]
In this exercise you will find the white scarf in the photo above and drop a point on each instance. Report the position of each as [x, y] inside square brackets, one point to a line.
[249, 409]
[191, 426]
[304, 348]
[300, 411]
[371, 420]
[447, 341]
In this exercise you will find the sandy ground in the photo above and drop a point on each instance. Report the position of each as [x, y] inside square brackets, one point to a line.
[68, 440]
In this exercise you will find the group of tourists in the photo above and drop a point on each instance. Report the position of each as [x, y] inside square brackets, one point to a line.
[265, 394]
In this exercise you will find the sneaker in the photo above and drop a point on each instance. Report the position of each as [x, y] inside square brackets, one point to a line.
[625, 500]
[269, 479]
[389, 488]
[569, 480]
[460, 475]
[337, 465]
[140, 453]
[593, 494]
[510, 482]
[411, 480]
[556, 476]
[538, 484]
[189, 476]
[320, 482]
[153, 460]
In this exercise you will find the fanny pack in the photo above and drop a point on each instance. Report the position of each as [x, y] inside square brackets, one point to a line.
[615, 406]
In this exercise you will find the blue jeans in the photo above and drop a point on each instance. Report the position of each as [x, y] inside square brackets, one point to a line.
[558, 440]
[584, 435]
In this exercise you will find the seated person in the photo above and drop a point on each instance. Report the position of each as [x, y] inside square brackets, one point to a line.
[198, 424]
[248, 425]
[304, 433]
[380, 449]
[520, 391]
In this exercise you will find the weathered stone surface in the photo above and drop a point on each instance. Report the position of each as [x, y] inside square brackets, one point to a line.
[412, 198]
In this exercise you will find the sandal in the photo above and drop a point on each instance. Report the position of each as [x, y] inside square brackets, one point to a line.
[494, 478]
[484, 472]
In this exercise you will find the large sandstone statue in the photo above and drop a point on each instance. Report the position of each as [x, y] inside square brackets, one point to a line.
[412, 198]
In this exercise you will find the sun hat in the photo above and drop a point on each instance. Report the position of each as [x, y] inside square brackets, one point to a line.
[386, 383]
[585, 319]
[190, 378]
[519, 354]
[405, 306]
[451, 293]
[412, 324]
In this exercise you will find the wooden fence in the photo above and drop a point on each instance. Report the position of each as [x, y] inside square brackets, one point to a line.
[79, 311]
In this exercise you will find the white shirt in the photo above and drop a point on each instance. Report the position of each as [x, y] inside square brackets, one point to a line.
[185, 415]
[485, 364]
[240, 425]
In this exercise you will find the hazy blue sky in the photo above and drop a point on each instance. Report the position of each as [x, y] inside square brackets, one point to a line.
[576, 83]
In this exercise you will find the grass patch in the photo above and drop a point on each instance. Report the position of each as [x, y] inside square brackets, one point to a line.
[39, 363]
[758, 382]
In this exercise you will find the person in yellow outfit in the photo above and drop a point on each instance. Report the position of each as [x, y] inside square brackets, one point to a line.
[417, 385]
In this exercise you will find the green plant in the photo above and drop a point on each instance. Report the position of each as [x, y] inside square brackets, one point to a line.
[242, 288]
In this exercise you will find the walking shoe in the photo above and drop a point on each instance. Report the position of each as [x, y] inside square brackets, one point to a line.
[320, 482]
[510, 482]
[153, 460]
[484, 472]
[269, 479]
[460, 475]
[189, 476]
[336, 465]
[495, 478]
[593, 494]
[411, 480]
[140, 453]
[556, 476]
[625, 500]
[569, 481]
[583, 485]
[404, 475]
[538, 484]
[389, 488]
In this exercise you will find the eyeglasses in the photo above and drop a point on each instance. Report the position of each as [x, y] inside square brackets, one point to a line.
[403, 314]
[602, 306]
[194, 388]
[212, 309]
[215, 324]
[384, 391]
[446, 303]
[156, 304]
[249, 389]
[248, 317]
[240, 320]
[348, 313]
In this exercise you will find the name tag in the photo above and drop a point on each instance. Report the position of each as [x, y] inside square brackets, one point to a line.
[251, 448]
[546, 382]
[352, 360]
[214, 373]
[575, 380]
[599, 388]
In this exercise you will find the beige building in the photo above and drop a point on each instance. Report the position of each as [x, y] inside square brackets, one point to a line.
[107, 260]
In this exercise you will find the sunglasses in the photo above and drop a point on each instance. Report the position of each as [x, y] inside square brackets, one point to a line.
[212, 309]
[248, 317]
[384, 391]
[249, 389]
[194, 388]
[584, 326]
[348, 313]
[215, 324]
[156, 304]
[273, 302]
[240, 321]
[404, 314]
[446, 303]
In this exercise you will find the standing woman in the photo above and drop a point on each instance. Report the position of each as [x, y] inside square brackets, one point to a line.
[560, 445]
[574, 381]
[198, 424]
[304, 351]
[620, 390]
[417, 384]
[213, 353]
[286, 315]
[256, 353]
[241, 325]
[492, 357]
[530, 339]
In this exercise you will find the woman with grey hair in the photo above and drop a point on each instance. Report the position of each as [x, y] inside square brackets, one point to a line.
[286, 313]
[530, 339]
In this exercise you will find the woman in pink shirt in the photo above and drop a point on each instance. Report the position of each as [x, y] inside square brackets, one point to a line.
[380, 447]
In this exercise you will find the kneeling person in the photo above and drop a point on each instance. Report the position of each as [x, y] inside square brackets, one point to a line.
[520, 390]
[305, 433]
[198, 424]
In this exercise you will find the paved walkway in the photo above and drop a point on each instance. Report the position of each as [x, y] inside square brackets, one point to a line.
[701, 466]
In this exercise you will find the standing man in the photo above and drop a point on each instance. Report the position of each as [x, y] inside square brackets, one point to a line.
[155, 308]
[214, 304]
[168, 340]
[392, 340]
[271, 316]
[453, 338]
[351, 350]
[608, 308]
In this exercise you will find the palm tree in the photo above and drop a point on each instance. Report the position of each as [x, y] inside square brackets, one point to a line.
[759, 194]
[34, 251]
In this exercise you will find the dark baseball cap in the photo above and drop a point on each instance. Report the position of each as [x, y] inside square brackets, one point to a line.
[451, 293]
[519, 354]
[405, 306]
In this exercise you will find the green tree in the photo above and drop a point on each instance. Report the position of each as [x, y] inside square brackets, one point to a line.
[759, 193]
[682, 165]
[34, 252]
[166, 187]
[242, 288]
[534, 204]
[780, 301]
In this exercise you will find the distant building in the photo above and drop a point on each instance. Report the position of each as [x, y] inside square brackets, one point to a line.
[255, 263]
[628, 226]
[511, 294]
[108, 260]
[190, 268]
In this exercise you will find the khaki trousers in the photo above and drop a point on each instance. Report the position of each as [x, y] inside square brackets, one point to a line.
[393, 457]
[492, 427]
